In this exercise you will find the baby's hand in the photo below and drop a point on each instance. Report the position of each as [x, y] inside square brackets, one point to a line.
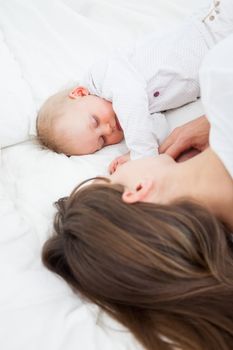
[118, 162]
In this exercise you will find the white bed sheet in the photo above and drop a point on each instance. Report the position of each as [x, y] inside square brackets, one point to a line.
[44, 46]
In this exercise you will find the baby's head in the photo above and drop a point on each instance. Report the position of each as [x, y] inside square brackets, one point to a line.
[76, 123]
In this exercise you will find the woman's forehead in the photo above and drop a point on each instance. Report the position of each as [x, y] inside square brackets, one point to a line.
[93, 180]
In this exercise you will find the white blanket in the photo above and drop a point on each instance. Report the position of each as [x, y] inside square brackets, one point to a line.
[46, 45]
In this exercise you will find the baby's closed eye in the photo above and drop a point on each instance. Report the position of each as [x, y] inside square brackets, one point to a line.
[94, 121]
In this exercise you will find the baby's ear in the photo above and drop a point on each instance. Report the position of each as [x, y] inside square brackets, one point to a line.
[79, 91]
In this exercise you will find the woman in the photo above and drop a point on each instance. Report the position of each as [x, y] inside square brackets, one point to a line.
[165, 272]
[163, 265]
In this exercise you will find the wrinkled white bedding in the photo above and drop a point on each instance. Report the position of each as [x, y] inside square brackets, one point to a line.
[44, 46]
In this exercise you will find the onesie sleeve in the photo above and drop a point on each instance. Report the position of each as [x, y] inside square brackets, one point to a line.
[130, 103]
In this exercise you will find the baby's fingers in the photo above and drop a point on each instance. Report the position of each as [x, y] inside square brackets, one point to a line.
[111, 167]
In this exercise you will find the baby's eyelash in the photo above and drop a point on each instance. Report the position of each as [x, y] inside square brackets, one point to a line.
[96, 120]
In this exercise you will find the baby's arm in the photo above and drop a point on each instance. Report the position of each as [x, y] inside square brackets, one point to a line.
[142, 130]
[130, 103]
[159, 127]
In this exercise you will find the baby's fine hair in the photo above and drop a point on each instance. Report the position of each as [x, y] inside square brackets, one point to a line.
[52, 109]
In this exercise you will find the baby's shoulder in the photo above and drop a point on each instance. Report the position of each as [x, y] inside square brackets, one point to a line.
[95, 75]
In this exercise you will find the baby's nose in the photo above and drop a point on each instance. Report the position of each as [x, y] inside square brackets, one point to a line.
[108, 129]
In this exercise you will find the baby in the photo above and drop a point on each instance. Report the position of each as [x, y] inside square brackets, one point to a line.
[123, 95]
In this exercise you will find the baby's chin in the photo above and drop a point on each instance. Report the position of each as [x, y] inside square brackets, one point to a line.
[114, 139]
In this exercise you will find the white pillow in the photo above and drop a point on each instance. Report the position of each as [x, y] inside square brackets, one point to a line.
[16, 102]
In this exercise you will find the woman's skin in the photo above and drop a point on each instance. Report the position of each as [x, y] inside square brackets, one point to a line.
[161, 180]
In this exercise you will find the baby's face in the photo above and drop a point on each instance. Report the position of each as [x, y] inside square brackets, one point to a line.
[88, 124]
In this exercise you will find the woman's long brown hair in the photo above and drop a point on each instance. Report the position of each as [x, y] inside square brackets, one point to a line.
[163, 271]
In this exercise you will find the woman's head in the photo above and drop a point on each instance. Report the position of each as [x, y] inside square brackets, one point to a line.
[160, 270]
[162, 180]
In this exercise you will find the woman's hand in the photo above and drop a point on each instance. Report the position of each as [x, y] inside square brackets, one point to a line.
[194, 134]
[117, 162]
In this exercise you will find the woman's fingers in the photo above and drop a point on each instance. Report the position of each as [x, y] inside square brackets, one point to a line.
[175, 149]
[175, 143]
[167, 143]
[192, 134]
[187, 155]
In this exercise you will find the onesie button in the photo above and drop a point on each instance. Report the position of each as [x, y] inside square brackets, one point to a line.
[156, 94]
